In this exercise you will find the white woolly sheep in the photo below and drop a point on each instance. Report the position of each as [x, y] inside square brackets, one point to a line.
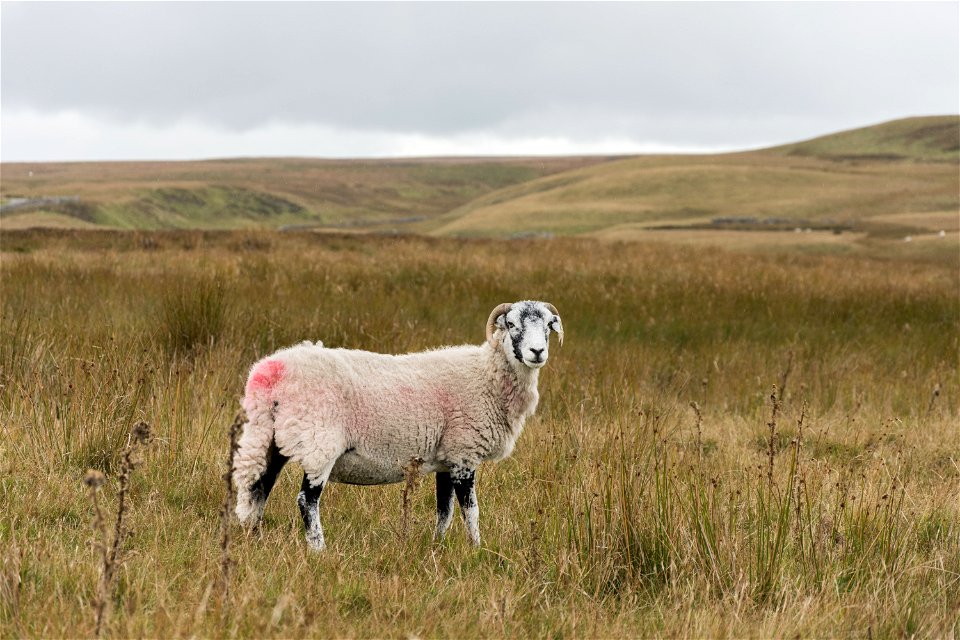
[358, 417]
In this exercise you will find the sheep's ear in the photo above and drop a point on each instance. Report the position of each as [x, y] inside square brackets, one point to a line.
[496, 320]
[555, 324]
[501, 321]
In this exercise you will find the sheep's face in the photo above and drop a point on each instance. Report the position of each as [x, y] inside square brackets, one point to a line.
[526, 332]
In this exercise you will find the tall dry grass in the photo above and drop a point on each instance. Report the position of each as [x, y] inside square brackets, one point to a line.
[622, 512]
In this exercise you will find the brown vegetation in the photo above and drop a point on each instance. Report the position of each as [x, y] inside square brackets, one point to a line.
[619, 514]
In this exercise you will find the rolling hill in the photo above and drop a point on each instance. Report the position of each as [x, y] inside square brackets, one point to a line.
[927, 139]
[220, 194]
[879, 179]
[901, 167]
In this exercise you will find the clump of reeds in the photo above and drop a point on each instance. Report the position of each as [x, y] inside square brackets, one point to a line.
[229, 502]
[412, 480]
[109, 544]
[696, 411]
[784, 375]
[773, 512]
[193, 316]
[775, 400]
[801, 478]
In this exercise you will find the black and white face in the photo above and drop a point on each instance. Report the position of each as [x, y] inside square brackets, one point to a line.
[527, 332]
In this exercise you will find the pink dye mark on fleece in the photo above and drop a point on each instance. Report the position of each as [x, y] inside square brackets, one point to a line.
[265, 376]
[447, 402]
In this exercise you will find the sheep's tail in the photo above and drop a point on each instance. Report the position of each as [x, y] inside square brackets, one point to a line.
[250, 462]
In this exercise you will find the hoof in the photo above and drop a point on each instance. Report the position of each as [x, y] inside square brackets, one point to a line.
[315, 544]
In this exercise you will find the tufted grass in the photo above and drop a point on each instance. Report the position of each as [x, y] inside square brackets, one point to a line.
[614, 517]
[192, 314]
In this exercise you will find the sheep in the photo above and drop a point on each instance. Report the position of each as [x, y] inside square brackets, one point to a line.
[358, 417]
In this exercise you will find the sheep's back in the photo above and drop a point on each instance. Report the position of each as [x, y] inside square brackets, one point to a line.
[393, 408]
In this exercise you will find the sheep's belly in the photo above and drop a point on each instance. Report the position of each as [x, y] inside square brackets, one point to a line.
[354, 468]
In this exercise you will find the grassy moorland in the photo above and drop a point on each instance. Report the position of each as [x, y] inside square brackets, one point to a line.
[920, 139]
[842, 181]
[246, 193]
[865, 185]
[620, 514]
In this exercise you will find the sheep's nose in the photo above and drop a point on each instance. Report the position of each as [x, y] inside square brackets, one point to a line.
[536, 353]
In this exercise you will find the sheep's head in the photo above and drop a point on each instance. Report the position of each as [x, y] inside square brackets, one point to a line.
[522, 330]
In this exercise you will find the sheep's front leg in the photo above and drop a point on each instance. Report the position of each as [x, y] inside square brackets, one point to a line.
[463, 485]
[444, 504]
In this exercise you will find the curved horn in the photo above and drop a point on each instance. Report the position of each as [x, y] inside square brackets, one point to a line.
[558, 327]
[491, 321]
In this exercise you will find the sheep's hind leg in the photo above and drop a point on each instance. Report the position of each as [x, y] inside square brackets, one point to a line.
[256, 464]
[309, 501]
[463, 484]
[444, 504]
[260, 490]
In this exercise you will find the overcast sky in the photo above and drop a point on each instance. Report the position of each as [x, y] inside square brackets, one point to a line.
[198, 80]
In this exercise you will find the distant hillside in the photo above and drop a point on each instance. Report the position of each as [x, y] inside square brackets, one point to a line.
[890, 172]
[900, 167]
[932, 138]
[264, 192]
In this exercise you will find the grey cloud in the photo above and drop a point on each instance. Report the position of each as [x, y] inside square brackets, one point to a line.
[580, 70]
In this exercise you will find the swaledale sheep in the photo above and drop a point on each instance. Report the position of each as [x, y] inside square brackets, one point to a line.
[358, 417]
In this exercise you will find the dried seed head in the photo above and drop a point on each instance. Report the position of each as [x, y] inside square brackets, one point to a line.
[141, 433]
[94, 478]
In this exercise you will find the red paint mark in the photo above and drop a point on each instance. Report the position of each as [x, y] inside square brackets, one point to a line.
[447, 401]
[265, 376]
[407, 393]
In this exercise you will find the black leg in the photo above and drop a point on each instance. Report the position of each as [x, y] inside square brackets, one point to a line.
[463, 485]
[260, 490]
[444, 503]
[275, 463]
[309, 502]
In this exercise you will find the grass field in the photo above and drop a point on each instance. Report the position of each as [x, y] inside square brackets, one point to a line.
[616, 516]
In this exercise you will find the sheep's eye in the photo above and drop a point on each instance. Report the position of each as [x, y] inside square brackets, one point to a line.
[510, 325]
